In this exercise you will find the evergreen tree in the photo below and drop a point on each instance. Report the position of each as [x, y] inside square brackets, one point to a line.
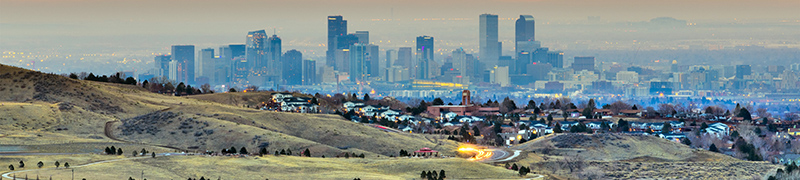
[437, 102]
[307, 153]
[262, 151]
[11, 167]
[634, 107]
[243, 151]
[288, 151]
[366, 97]
[686, 141]
[119, 151]
[514, 167]
[346, 155]
[667, 128]
[442, 175]
[153, 154]
[588, 113]
[422, 175]
[283, 152]
[713, 148]
[66, 165]
[39, 164]
[557, 128]
[107, 150]
[57, 164]
[130, 81]
[232, 150]
[744, 113]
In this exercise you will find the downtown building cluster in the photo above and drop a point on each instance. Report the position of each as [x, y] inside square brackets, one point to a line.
[355, 64]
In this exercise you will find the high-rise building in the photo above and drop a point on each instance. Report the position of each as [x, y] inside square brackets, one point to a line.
[387, 61]
[500, 76]
[487, 36]
[255, 51]
[363, 37]
[344, 41]
[743, 70]
[183, 55]
[460, 61]
[358, 67]
[425, 47]
[405, 59]
[373, 57]
[293, 67]
[337, 26]
[162, 65]
[583, 63]
[309, 72]
[524, 34]
[555, 58]
[674, 67]
[521, 63]
[206, 64]
[422, 68]
[274, 53]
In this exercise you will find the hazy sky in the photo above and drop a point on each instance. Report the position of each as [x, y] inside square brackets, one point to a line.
[207, 21]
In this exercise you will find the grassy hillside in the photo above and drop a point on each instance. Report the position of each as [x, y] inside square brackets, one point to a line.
[621, 156]
[282, 167]
[616, 147]
[82, 109]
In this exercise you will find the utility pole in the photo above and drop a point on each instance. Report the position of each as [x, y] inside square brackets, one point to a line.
[73, 174]
[142, 174]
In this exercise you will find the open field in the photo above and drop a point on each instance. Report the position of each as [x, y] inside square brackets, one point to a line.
[281, 167]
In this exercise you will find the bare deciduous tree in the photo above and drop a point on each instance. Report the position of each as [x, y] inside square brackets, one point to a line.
[619, 106]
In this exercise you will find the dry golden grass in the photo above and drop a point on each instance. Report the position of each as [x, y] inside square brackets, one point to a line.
[282, 167]
[92, 104]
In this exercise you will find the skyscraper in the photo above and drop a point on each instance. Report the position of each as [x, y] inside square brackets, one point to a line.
[183, 56]
[358, 67]
[372, 60]
[274, 57]
[524, 34]
[405, 58]
[425, 47]
[162, 65]
[489, 51]
[309, 72]
[255, 51]
[337, 26]
[556, 59]
[363, 37]
[205, 66]
[293, 67]
[525, 28]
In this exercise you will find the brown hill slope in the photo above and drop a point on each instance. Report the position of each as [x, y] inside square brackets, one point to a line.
[618, 147]
[83, 108]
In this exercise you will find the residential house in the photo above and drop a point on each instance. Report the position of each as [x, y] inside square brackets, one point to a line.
[718, 129]
[351, 104]
[672, 136]
[596, 125]
[278, 97]
[787, 159]
[565, 125]
[631, 113]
